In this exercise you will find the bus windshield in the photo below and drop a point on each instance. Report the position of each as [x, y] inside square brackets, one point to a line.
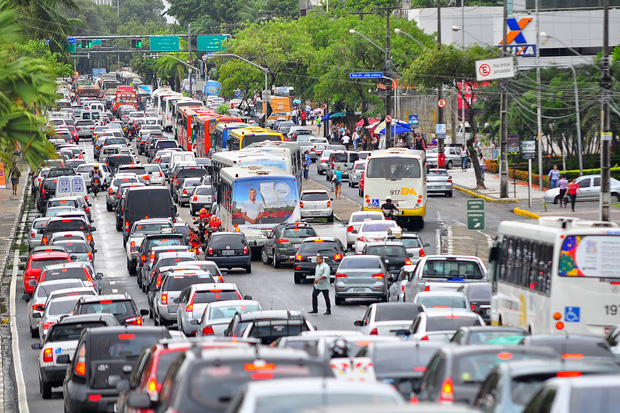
[248, 140]
[393, 168]
[588, 256]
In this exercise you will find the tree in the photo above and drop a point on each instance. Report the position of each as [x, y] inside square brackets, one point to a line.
[251, 10]
[447, 67]
[238, 75]
[37, 49]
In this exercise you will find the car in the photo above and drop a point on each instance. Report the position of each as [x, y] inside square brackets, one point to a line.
[479, 297]
[388, 318]
[319, 144]
[182, 171]
[62, 339]
[451, 319]
[121, 306]
[298, 130]
[413, 244]
[590, 187]
[355, 173]
[572, 346]
[139, 230]
[52, 212]
[117, 181]
[146, 202]
[138, 170]
[316, 204]
[193, 300]
[394, 254]
[374, 231]
[452, 157]
[85, 128]
[441, 299]
[229, 250]
[90, 389]
[74, 270]
[66, 236]
[355, 342]
[488, 335]
[321, 164]
[163, 260]
[185, 190]
[36, 301]
[216, 316]
[202, 196]
[35, 233]
[510, 386]
[444, 272]
[330, 248]
[342, 158]
[439, 181]
[240, 322]
[355, 221]
[156, 175]
[76, 202]
[152, 256]
[218, 374]
[36, 262]
[310, 394]
[454, 373]
[283, 242]
[59, 304]
[79, 250]
[364, 276]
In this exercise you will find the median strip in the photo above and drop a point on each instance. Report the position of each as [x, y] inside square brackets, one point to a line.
[525, 213]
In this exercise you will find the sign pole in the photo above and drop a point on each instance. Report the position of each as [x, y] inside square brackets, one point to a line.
[529, 182]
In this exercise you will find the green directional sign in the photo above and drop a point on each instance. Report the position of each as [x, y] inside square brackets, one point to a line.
[96, 43]
[210, 43]
[476, 214]
[164, 43]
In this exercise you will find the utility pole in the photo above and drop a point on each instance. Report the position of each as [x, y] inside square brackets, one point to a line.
[606, 84]
[503, 148]
[441, 157]
[538, 108]
[189, 56]
[361, 13]
[390, 74]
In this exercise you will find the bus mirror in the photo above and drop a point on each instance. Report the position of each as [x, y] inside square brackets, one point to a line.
[494, 254]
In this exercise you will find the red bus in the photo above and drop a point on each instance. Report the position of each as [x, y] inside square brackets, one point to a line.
[186, 134]
[205, 130]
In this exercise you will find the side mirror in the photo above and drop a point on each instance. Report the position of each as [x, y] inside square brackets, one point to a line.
[390, 279]
[74, 257]
[152, 287]
[358, 323]
[194, 322]
[63, 359]
[99, 276]
[427, 244]
[144, 312]
[93, 229]
[32, 283]
[176, 300]
[139, 400]
[36, 346]
[26, 297]
[247, 297]
[94, 251]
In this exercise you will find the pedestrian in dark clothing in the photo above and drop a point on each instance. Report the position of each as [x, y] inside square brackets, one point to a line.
[14, 178]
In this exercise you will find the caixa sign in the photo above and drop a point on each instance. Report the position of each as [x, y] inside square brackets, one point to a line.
[516, 42]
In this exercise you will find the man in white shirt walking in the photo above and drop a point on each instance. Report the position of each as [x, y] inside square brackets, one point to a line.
[321, 285]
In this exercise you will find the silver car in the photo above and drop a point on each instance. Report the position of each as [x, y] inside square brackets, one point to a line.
[362, 276]
[112, 192]
[590, 187]
[321, 164]
[139, 230]
[439, 181]
[55, 308]
[86, 168]
[217, 315]
[316, 204]
[453, 157]
[355, 222]
[36, 231]
[36, 305]
[184, 192]
[79, 250]
[355, 173]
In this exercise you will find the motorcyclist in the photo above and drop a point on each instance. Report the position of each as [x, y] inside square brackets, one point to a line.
[214, 223]
[96, 177]
[204, 215]
[388, 205]
[194, 241]
[340, 348]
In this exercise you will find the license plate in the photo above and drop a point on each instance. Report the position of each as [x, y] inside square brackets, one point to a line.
[295, 245]
[358, 290]
[314, 212]
[312, 259]
[228, 252]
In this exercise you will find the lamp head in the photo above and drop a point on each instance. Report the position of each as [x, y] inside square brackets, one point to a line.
[397, 31]
[352, 31]
[456, 28]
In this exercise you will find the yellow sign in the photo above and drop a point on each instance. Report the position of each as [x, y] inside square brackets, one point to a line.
[408, 191]
[2, 176]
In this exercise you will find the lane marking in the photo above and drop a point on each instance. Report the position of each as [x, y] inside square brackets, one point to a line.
[114, 291]
[22, 399]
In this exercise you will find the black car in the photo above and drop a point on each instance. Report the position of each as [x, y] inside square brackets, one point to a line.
[179, 175]
[331, 248]
[148, 202]
[393, 253]
[114, 161]
[103, 357]
[229, 250]
[46, 191]
[118, 204]
[152, 256]
[206, 380]
[68, 224]
[150, 241]
[572, 346]
[479, 296]
[283, 242]
[121, 306]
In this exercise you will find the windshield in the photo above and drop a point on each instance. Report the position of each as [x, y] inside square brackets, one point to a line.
[66, 225]
[119, 181]
[141, 229]
[164, 242]
[377, 226]
[64, 274]
[595, 399]
[57, 307]
[315, 247]
[45, 290]
[360, 263]
[180, 282]
[232, 241]
[387, 251]
[588, 256]
[465, 270]
[116, 308]
[123, 346]
[38, 264]
[400, 360]
[207, 190]
[410, 242]
[204, 297]
[299, 233]
[393, 168]
[151, 168]
[397, 312]
[479, 292]
[229, 311]
[248, 140]
[452, 322]
[167, 144]
[71, 332]
[339, 157]
[441, 301]
[314, 196]
[309, 401]
[475, 367]
[74, 247]
[362, 217]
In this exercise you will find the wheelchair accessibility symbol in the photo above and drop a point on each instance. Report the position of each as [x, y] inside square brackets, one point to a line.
[572, 314]
[375, 203]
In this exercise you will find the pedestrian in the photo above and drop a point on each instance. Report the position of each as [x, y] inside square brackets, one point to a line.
[295, 113]
[483, 165]
[572, 193]
[321, 285]
[463, 158]
[307, 162]
[563, 185]
[14, 178]
[337, 182]
[554, 176]
[303, 118]
[345, 140]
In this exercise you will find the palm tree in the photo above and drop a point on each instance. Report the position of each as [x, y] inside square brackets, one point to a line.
[251, 10]
[27, 86]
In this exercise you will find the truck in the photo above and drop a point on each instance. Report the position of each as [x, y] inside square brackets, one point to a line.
[88, 91]
[281, 107]
[125, 95]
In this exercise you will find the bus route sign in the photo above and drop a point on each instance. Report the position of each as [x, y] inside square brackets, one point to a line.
[476, 214]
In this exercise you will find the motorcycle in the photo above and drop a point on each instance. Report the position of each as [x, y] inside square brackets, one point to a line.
[388, 214]
[96, 186]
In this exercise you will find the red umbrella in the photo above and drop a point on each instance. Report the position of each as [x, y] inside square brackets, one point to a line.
[360, 123]
[370, 122]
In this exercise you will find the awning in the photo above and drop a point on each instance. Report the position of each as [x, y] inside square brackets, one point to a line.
[332, 115]
[397, 128]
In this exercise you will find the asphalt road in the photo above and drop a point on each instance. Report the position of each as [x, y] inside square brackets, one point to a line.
[274, 288]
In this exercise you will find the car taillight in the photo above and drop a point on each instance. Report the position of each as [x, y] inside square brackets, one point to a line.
[38, 307]
[126, 225]
[90, 256]
[136, 321]
[349, 228]
[184, 191]
[160, 174]
[427, 288]
[48, 355]
[110, 191]
[89, 238]
[362, 239]
[569, 374]
[323, 161]
[447, 391]
[421, 252]
[337, 257]
[80, 366]
[152, 386]
[195, 198]
[473, 307]
[246, 249]
[210, 251]
[407, 261]
[32, 234]
[177, 182]
[208, 331]
[190, 305]
[298, 257]
[283, 241]
[378, 275]
[329, 203]
[341, 275]
[143, 258]
[44, 241]
[158, 283]
[374, 332]
[301, 204]
[47, 325]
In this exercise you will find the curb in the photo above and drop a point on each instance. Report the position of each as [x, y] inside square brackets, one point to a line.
[525, 213]
[485, 197]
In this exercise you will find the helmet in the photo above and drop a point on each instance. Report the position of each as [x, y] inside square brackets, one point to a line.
[203, 211]
[213, 218]
[388, 199]
[96, 166]
[339, 348]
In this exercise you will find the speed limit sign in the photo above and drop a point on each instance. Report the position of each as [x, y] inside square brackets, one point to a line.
[389, 118]
[441, 103]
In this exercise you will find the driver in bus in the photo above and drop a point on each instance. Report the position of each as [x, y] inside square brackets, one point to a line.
[252, 210]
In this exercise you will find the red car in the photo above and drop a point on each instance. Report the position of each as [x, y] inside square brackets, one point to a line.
[36, 262]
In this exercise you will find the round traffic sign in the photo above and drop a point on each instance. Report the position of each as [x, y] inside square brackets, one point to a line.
[442, 103]
[389, 118]
[484, 70]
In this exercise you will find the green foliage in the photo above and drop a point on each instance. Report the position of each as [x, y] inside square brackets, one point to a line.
[223, 109]
[38, 49]
[236, 74]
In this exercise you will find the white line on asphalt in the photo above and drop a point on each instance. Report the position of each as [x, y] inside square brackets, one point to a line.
[112, 282]
[114, 291]
[22, 399]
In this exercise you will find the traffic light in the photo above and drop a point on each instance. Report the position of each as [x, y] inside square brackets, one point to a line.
[79, 44]
[89, 44]
[136, 43]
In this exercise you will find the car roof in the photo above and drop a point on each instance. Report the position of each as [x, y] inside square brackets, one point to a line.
[232, 302]
[484, 329]
[126, 329]
[211, 286]
[106, 297]
[541, 339]
[493, 348]
[532, 367]
[384, 244]
[452, 257]
[314, 191]
[440, 293]
[270, 314]
[312, 239]
[48, 255]
[78, 318]
[255, 353]
[318, 385]
[441, 312]
[176, 254]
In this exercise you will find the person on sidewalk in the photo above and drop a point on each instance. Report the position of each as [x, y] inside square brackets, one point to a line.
[14, 178]
[554, 176]
[337, 182]
[321, 286]
[572, 193]
[563, 184]
[463, 158]
[483, 165]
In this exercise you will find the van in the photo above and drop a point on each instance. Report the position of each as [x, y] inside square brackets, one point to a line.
[91, 114]
[74, 185]
[177, 157]
[114, 150]
[95, 106]
[343, 159]
[146, 202]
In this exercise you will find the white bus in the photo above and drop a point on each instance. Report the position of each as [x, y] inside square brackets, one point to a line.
[157, 97]
[398, 173]
[174, 113]
[291, 150]
[221, 160]
[167, 116]
[255, 199]
[556, 276]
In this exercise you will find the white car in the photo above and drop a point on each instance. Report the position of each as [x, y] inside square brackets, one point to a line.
[117, 181]
[156, 175]
[316, 204]
[451, 319]
[139, 230]
[217, 315]
[355, 222]
[59, 304]
[441, 299]
[201, 197]
[413, 244]
[388, 318]
[375, 231]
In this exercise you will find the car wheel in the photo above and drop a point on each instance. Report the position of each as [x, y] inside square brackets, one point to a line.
[297, 278]
[326, 176]
[45, 389]
[108, 207]
[34, 333]
[192, 212]
[360, 193]
[449, 165]
[330, 218]
[615, 198]
[131, 267]
[151, 315]
[556, 200]
[339, 301]
[118, 226]
[449, 194]
[385, 298]
[276, 261]
[248, 269]
[264, 257]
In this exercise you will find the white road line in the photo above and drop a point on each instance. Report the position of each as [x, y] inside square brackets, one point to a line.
[17, 360]
[114, 291]
[112, 282]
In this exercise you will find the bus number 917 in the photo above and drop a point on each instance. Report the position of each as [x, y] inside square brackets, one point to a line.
[395, 192]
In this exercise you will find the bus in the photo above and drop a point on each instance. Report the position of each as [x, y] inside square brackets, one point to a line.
[166, 110]
[181, 103]
[240, 138]
[157, 97]
[221, 160]
[291, 150]
[222, 131]
[398, 173]
[205, 131]
[256, 198]
[556, 276]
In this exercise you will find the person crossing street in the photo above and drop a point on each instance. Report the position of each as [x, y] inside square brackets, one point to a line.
[321, 285]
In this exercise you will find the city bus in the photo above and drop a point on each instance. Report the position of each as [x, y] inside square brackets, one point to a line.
[166, 110]
[291, 150]
[173, 110]
[240, 138]
[205, 131]
[556, 276]
[221, 160]
[222, 131]
[157, 97]
[398, 173]
[256, 198]
[186, 132]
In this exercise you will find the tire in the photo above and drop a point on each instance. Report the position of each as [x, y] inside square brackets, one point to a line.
[615, 198]
[34, 333]
[556, 200]
[330, 218]
[385, 298]
[248, 269]
[45, 389]
[108, 207]
[326, 176]
[192, 212]
[264, 257]
[276, 261]
[131, 267]
[298, 278]
[339, 301]
[360, 193]
[449, 165]
[151, 315]
[118, 227]
[350, 186]
[449, 194]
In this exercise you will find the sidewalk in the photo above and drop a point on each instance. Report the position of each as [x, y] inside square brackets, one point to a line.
[466, 182]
